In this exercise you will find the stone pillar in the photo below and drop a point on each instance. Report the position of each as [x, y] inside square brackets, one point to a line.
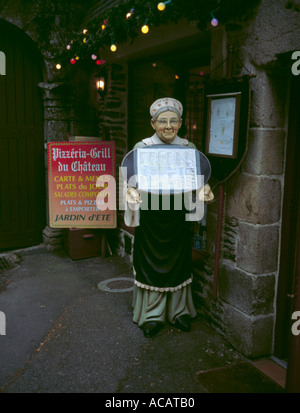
[56, 110]
[245, 307]
[253, 214]
[56, 127]
[68, 109]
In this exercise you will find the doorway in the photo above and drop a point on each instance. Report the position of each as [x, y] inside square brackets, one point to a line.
[177, 73]
[288, 289]
[22, 165]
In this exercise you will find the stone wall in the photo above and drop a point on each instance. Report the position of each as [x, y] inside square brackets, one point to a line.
[245, 309]
[112, 117]
[254, 197]
[112, 109]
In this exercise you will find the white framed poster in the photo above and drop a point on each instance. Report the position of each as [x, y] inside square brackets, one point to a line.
[223, 124]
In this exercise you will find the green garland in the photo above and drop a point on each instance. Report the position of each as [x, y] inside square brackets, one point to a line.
[119, 29]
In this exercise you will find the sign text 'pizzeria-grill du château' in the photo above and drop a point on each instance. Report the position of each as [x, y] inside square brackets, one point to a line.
[80, 190]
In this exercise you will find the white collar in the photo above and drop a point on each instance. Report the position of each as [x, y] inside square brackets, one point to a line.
[154, 140]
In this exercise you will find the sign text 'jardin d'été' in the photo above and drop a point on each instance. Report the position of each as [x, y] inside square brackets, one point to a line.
[79, 194]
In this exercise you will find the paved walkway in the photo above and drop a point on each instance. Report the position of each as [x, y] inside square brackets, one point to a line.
[64, 334]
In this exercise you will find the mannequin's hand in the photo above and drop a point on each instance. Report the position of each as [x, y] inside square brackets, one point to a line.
[132, 196]
[206, 194]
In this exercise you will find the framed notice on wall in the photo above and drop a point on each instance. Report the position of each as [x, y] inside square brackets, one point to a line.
[81, 180]
[223, 114]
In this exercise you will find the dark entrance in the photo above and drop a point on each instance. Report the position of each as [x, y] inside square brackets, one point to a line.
[176, 71]
[22, 169]
[289, 275]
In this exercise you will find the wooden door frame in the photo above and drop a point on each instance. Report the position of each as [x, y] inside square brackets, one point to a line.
[293, 370]
[289, 270]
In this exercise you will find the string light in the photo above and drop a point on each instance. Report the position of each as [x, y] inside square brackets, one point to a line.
[214, 22]
[58, 66]
[104, 24]
[145, 28]
[100, 62]
[161, 6]
[129, 14]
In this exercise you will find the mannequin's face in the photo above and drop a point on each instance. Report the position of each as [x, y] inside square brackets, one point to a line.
[166, 126]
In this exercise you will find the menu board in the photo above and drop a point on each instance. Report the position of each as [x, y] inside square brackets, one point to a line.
[82, 188]
[165, 169]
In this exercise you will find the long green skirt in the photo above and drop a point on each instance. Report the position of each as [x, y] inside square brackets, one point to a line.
[162, 306]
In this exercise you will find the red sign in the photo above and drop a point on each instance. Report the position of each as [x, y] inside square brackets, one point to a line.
[82, 188]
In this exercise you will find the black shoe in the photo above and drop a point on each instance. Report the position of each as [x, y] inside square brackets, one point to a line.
[151, 328]
[183, 322]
